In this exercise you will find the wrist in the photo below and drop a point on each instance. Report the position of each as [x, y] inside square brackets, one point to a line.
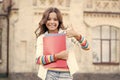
[78, 37]
[55, 58]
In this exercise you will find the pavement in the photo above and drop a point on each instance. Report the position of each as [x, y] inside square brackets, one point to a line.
[3, 78]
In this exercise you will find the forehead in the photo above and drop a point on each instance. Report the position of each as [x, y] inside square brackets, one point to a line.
[52, 15]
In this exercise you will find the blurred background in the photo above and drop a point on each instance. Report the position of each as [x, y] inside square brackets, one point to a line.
[97, 20]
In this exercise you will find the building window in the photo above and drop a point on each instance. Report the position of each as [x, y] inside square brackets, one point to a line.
[106, 44]
[0, 45]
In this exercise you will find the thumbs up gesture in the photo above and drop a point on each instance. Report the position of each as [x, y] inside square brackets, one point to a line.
[70, 32]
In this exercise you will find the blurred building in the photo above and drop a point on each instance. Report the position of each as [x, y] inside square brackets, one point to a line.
[97, 20]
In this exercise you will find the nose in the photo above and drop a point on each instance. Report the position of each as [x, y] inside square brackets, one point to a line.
[52, 21]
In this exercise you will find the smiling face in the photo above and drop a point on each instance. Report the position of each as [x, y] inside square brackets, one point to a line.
[52, 23]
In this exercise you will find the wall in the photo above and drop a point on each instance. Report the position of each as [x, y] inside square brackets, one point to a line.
[24, 19]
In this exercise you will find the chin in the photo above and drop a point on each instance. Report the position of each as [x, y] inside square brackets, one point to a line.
[52, 29]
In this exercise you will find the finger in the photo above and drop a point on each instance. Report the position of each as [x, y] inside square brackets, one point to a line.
[70, 26]
[66, 27]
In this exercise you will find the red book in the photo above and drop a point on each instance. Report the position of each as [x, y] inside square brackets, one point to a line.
[53, 44]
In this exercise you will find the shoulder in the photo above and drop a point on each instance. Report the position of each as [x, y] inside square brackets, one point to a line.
[62, 31]
[40, 37]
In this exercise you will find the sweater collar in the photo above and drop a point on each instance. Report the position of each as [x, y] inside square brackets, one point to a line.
[60, 31]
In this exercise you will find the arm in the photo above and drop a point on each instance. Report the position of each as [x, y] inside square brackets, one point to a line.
[46, 59]
[83, 42]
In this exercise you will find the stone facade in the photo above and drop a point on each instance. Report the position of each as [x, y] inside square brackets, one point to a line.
[84, 15]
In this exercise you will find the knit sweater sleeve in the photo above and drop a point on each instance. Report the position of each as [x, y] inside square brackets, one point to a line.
[45, 59]
[83, 42]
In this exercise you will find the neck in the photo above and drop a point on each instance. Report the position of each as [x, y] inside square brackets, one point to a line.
[53, 31]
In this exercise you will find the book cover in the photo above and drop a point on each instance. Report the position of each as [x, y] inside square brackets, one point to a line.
[53, 44]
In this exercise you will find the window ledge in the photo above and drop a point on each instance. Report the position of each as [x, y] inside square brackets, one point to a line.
[106, 63]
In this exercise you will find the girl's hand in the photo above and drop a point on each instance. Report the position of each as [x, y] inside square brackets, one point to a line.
[62, 55]
[70, 32]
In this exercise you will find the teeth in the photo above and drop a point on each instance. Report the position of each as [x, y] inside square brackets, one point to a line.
[52, 25]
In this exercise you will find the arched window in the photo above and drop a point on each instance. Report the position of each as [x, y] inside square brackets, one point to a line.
[106, 44]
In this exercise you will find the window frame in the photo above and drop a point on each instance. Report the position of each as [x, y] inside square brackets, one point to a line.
[1, 45]
[110, 48]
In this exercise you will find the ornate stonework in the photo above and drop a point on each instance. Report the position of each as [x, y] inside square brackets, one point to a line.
[42, 1]
[51, 2]
[94, 14]
[46, 3]
[102, 6]
[60, 2]
[40, 5]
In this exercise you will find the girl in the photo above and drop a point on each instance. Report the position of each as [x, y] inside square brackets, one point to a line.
[52, 22]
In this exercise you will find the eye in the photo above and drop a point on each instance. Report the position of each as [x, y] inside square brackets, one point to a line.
[55, 19]
[48, 19]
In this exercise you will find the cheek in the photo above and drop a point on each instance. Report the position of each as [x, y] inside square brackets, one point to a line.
[47, 24]
[57, 23]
